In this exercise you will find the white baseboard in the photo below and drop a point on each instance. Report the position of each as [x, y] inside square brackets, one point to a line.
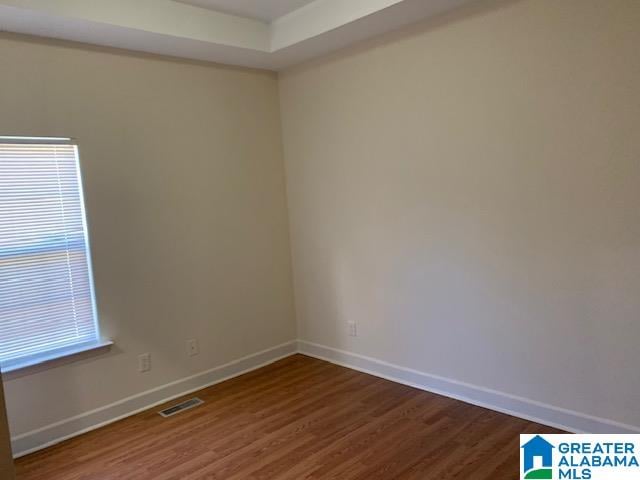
[545, 414]
[57, 432]
[532, 410]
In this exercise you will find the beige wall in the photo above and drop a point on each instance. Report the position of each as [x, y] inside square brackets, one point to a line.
[6, 460]
[465, 190]
[184, 185]
[468, 192]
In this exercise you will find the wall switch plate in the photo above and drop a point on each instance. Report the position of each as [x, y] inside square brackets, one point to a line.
[192, 347]
[353, 329]
[144, 362]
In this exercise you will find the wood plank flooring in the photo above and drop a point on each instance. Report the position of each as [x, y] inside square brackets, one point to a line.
[299, 418]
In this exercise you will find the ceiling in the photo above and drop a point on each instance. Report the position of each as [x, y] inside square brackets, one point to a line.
[268, 34]
[265, 10]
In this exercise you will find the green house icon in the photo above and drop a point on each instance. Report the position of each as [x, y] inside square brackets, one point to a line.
[538, 447]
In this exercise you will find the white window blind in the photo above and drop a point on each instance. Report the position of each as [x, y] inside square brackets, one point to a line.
[46, 291]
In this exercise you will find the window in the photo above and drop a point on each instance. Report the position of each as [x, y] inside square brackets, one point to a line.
[47, 305]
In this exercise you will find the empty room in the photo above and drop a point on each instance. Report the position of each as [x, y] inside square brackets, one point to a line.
[319, 239]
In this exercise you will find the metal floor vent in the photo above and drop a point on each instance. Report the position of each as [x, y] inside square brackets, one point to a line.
[181, 407]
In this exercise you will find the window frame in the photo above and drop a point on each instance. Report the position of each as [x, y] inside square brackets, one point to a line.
[98, 344]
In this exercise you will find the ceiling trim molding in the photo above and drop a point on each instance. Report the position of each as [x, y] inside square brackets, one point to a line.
[173, 28]
[264, 10]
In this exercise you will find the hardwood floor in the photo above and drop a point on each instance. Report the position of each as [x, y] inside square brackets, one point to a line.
[299, 418]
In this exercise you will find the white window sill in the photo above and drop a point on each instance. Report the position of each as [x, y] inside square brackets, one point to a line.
[37, 363]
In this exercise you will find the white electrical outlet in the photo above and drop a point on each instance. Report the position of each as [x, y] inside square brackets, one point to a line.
[192, 347]
[144, 362]
[353, 329]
